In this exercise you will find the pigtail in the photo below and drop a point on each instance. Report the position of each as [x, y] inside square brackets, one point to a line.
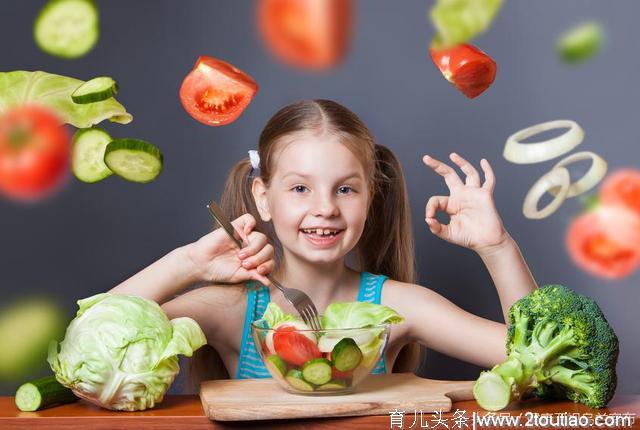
[386, 245]
[236, 200]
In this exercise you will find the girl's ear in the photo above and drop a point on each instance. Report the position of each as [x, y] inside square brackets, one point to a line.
[259, 191]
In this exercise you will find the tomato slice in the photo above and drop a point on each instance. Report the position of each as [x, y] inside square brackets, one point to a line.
[469, 69]
[215, 92]
[593, 249]
[622, 187]
[306, 33]
[294, 347]
[34, 152]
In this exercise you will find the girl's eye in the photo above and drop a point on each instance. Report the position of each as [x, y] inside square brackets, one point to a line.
[299, 189]
[345, 190]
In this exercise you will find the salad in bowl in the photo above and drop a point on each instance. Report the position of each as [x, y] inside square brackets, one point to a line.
[333, 360]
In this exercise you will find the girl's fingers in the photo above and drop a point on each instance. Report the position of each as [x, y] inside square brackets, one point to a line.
[440, 230]
[489, 177]
[260, 278]
[450, 176]
[243, 225]
[435, 204]
[266, 268]
[473, 177]
[256, 242]
[264, 255]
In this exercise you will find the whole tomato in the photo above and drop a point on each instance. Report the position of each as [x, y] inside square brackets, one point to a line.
[34, 152]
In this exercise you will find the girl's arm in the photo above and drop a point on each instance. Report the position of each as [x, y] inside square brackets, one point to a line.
[509, 272]
[475, 223]
[212, 259]
[440, 325]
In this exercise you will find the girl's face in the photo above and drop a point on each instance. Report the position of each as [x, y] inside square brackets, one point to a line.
[317, 198]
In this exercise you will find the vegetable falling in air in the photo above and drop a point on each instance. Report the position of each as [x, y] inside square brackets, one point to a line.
[120, 352]
[466, 67]
[26, 328]
[34, 152]
[592, 245]
[605, 241]
[67, 28]
[215, 92]
[308, 34]
[460, 21]
[557, 180]
[54, 91]
[580, 43]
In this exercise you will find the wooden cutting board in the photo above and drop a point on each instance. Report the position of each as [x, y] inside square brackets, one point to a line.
[264, 399]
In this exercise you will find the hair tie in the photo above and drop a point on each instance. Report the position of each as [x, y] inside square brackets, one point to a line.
[254, 158]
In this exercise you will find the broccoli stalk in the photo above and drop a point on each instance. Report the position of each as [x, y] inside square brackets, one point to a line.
[559, 344]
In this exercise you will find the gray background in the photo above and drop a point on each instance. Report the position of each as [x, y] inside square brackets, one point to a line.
[88, 238]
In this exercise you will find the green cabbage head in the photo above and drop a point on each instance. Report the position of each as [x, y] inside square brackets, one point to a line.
[120, 352]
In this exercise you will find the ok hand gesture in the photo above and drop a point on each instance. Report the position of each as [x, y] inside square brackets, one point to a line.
[474, 221]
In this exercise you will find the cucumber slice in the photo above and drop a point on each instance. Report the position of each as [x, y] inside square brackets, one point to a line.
[95, 90]
[295, 379]
[134, 160]
[275, 365]
[317, 371]
[336, 384]
[67, 28]
[346, 355]
[87, 155]
[42, 393]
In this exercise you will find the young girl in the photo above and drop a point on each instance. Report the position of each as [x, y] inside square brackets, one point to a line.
[334, 205]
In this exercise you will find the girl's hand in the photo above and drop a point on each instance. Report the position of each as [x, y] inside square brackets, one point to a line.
[217, 259]
[474, 221]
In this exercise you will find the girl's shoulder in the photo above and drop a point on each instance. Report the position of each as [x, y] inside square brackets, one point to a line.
[404, 295]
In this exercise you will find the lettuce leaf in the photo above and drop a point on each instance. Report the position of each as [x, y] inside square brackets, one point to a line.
[273, 315]
[358, 315]
[459, 21]
[54, 91]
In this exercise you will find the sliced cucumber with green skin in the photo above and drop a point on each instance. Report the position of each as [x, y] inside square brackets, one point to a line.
[134, 160]
[67, 28]
[43, 393]
[317, 371]
[346, 355]
[87, 155]
[336, 384]
[95, 90]
[295, 379]
[276, 365]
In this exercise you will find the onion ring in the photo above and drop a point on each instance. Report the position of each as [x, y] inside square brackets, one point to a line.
[558, 177]
[528, 153]
[594, 175]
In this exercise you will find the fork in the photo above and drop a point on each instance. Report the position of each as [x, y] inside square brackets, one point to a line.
[300, 300]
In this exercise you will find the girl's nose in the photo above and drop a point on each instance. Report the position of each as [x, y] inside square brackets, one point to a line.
[325, 206]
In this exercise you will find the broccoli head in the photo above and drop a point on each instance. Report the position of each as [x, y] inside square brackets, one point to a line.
[559, 344]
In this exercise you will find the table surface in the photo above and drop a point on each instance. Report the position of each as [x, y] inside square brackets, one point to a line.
[185, 412]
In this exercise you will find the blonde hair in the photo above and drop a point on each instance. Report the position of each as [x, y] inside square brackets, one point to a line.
[386, 245]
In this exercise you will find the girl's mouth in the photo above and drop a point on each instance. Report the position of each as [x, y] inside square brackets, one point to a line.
[322, 237]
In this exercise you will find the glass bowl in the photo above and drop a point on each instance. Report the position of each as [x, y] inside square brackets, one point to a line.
[319, 362]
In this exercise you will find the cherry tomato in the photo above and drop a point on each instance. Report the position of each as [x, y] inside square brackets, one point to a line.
[469, 69]
[622, 187]
[215, 92]
[34, 152]
[294, 347]
[593, 249]
[306, 33]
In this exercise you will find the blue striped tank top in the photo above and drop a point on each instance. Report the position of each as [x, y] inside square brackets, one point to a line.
[250, 364]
